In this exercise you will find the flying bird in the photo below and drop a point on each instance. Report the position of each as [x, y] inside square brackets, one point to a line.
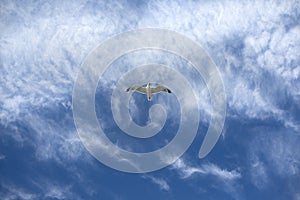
[148, 90]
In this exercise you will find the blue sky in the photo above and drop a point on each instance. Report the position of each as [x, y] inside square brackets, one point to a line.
[255, 45]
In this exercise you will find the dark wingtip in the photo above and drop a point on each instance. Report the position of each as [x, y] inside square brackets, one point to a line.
[169, 91]
[127, 89]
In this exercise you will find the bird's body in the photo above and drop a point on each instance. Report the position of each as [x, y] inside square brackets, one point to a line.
[148, 90]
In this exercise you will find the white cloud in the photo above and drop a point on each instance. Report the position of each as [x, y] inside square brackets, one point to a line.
[41, 55]
[262, 41]
[59, 193]
[2, 157]
[163, 185]
[187, 171]
[51, 139]
[221, 173]
[40, 62]
[47, 58]
[55, 142]
[228, 180]
[12, 192]
[48, 190]
[246, 42]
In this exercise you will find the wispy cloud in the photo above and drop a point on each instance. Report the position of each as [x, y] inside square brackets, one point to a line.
[60, 193]
[64, 144]
[273, 153]
[259, 174]
[162, 184]
[256, 50]
[258, 53]
[243, 72]
[46, 190]
[187, 171]
[11, 192]
[227, 179]
[51, 84]
[37, 186]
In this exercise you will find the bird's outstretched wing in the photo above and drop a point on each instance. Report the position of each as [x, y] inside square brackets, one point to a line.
[160, 89]
[137, 88]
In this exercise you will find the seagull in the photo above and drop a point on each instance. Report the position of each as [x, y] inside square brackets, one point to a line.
[148, 90]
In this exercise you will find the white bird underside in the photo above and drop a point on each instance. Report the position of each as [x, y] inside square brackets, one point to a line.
[148, 90]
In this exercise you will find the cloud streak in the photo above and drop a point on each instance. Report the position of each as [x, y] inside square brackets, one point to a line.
[227, 180]
[162, 184]
[187, 171]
